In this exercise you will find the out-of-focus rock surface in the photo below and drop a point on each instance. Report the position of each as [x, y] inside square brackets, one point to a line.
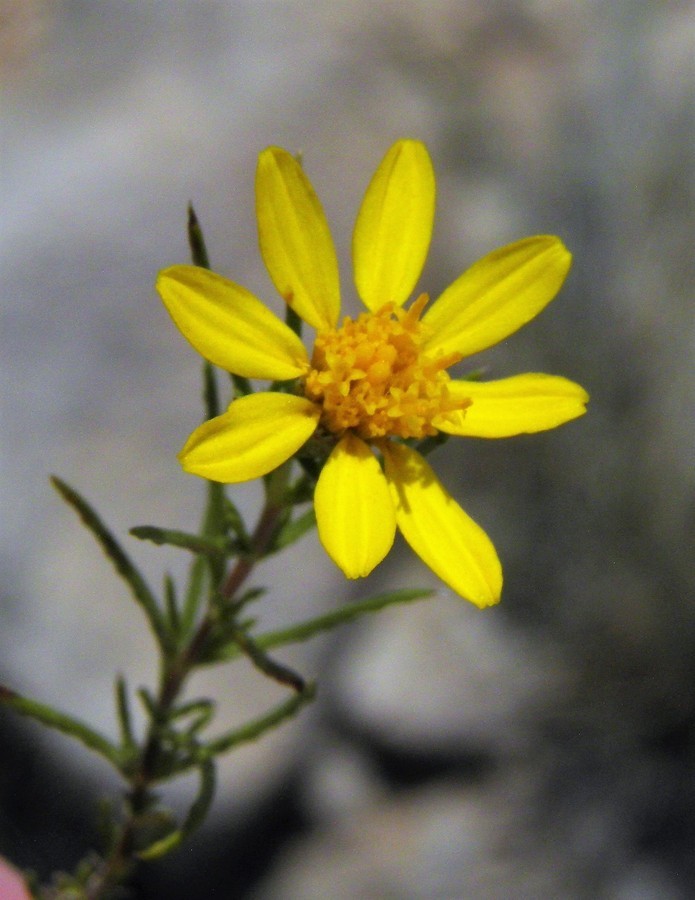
[542, 749]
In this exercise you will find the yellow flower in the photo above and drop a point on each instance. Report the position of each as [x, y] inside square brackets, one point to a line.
[372, 383]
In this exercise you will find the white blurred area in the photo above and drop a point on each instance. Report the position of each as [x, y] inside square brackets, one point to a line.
[545, 116]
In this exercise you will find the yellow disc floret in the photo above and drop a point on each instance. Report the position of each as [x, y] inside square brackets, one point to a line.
[371, 376]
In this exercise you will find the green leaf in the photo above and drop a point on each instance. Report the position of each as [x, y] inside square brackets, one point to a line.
[123, 711]
[270, 667]
[196, 241]
[149, 703]
[201, 805]
[215, 529]
[194, 593]
[235, 524]
[200, 711]
[121, 561]
[248, 597]
[254, 729]
[207, 571]
[302, 631]
[201, 544]
[162, 846]
[171, 605]
[196, 815]
[154, 833]
[106, 825]
[59, 721]
[348, 613]
[295, 529]
[211, 397]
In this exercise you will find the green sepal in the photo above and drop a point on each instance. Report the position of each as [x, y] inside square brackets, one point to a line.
[475, 374]
[293, 320]
[313, 454]
[302, 491]
[428, 444]
[242, 386]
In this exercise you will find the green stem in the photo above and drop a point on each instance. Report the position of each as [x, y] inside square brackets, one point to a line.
[176, 669]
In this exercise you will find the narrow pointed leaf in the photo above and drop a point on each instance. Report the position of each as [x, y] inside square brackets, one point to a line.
[295, 529]
[60, 721]
[257, 727]
[195, 817]
[198, 577]
[211, 397]
[349, 612]
[161, 847]
[121, 561]
[171, 605]
[202, 803]
[270, 667]
[196, 543]
[123, 711]
[196, 240]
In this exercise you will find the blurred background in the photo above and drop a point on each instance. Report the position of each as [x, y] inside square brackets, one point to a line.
[541, 749]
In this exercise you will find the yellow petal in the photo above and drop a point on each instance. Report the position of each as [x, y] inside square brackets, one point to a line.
[354, 510]
[497, 295]
[394, 226]
[256, 435]
[439, 531]
[229, 326]
[295, 241]
[522, 404]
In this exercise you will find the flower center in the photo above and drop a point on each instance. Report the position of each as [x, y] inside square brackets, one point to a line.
[371, 375]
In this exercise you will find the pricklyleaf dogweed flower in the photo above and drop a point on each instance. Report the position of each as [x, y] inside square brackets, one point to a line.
[373, 385]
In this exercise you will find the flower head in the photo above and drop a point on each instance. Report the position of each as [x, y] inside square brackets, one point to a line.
[375, 383]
